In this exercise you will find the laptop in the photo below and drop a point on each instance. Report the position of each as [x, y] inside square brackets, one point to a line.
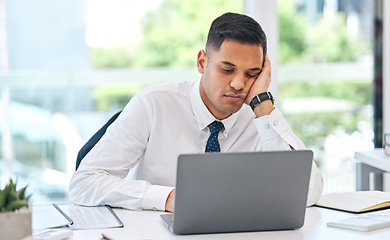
[240, 192]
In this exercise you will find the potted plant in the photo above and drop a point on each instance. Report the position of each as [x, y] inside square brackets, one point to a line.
[15, 215]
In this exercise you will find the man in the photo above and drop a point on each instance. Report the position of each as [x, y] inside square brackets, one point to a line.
[161, 122]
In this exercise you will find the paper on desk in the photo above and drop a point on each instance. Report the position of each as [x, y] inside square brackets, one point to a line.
[46, 216]
[91, 217]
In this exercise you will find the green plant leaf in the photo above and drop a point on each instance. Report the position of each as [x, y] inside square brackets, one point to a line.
[12, 196]
[4, 196]
[16, 205]
[11, 199]
[21, 192]
[2, 199]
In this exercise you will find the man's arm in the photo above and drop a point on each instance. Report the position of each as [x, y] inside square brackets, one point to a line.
[100, 178]
[274, 131]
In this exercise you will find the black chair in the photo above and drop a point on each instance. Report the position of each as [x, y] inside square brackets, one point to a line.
[93, 140]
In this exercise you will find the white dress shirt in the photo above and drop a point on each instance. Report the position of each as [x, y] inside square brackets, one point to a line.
[157, 125]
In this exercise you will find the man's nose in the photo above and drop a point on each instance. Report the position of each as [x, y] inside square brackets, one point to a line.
[238, 82]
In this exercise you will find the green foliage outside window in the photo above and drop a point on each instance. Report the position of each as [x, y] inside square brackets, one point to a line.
[114, 97]
[327, 40]
[118, 57]
[292, 32]
[174, 32]
[313, 127]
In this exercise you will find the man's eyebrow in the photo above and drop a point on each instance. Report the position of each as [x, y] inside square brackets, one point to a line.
[228, 63]
[255, 69]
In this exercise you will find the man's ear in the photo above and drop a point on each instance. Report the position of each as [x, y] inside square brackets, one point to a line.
[201, 61]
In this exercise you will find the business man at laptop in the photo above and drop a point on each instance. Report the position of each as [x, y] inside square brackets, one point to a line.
[228, 110]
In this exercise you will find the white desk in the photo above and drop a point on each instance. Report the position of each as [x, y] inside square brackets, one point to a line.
[376, 162]
[148, 225]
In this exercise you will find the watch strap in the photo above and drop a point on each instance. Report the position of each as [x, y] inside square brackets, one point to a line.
[261, 98]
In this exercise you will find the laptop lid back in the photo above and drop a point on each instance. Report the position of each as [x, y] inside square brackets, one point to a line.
[236, 192]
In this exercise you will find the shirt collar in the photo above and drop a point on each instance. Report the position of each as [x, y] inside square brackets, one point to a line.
[203, 115]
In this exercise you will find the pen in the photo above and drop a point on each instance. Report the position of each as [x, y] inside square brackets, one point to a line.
[63, 214]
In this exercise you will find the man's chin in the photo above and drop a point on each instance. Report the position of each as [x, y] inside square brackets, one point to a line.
[233, 109]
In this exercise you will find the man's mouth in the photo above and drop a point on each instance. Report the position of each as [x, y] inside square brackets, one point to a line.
[235, 97]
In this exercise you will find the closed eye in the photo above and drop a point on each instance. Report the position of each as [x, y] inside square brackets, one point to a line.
[227, 70]
[252, 75]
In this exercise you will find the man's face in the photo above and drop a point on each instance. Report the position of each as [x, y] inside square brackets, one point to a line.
[228, 75]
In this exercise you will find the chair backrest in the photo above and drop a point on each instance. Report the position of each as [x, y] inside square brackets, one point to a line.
[93, 140]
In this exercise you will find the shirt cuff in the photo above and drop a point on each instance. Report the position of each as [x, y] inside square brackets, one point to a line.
[264, 127]
[156, 197]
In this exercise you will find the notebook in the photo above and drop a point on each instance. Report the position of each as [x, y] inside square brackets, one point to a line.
[356, 202]
[240, 192]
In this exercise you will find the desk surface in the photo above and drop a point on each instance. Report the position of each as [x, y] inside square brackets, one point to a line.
[148, 225]
[376, 158]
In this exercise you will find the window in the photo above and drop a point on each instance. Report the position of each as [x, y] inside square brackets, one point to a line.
[325, 82]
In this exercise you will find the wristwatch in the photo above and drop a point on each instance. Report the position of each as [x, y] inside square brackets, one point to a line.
[261, 98]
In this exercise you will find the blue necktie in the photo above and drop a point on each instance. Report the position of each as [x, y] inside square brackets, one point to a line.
[212, 143]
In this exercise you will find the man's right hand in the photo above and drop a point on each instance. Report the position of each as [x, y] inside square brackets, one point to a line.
[170, 203]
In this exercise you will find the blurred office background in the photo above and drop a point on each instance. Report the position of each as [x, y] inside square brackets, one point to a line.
[67, 66]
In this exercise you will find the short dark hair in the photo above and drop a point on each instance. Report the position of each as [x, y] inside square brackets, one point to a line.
[234, 26]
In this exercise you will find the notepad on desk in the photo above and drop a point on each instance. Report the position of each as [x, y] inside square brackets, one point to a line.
[356, 202]
[46, 216]
[74, 217]
[90, 217]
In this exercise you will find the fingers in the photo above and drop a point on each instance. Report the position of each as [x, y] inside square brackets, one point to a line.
[267, 64]
[266, 71]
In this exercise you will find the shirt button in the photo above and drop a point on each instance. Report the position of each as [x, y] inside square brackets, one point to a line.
[275, 123]
[267, 126]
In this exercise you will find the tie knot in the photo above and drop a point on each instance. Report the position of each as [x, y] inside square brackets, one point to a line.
[215, 127]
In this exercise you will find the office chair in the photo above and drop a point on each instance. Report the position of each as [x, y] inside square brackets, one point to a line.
[93, 140]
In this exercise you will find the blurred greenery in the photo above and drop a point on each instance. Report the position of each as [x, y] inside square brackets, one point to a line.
[173, 34]
[329, 41]
[119, 57]
[176, 30]
[357, 91]
[326, 41]
[292, 32]
[313, 128]
[114, 97]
